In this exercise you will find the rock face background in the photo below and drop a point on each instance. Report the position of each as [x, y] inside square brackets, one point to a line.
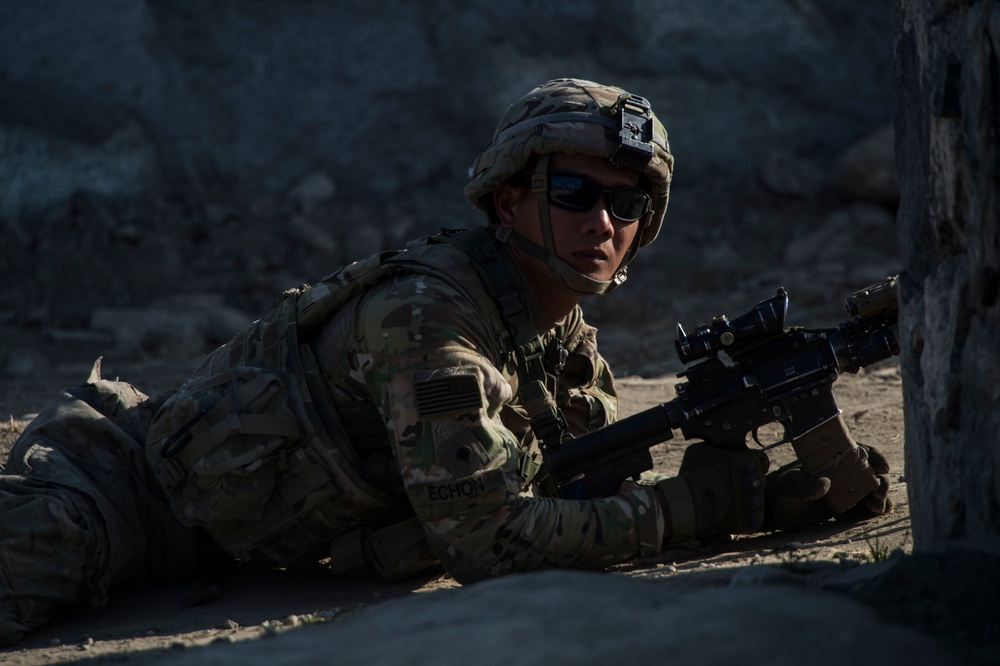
[123, 97]
[229, 150]
[168, 167]
[949, 84]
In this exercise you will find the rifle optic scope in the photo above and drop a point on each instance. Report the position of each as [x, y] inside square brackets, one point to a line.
[766, 318]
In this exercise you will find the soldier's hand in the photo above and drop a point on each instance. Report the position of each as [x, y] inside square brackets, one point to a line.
[725, 491]
[793, 499]
[877, 502]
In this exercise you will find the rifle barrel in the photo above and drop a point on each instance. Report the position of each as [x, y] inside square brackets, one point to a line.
[593, 449]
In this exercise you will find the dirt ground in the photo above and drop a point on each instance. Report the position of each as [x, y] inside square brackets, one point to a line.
[143, 625]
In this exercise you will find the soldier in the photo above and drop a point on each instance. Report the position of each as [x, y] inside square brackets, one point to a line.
[390, 416]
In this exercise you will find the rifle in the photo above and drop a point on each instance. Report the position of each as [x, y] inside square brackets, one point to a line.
[777, 375]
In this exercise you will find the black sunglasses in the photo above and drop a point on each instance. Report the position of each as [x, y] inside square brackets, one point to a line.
[579, 194]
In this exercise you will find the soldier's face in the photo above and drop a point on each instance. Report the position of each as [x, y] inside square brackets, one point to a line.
[593, 241]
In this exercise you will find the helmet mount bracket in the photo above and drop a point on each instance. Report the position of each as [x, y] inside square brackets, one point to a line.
[635, 119]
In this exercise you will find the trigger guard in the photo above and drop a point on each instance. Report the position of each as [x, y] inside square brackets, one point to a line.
[766, 447]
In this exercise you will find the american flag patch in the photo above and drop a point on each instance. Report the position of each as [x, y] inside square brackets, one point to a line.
[447, 394]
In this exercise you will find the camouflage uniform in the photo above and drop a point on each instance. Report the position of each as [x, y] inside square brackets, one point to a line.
[79, 509]
[426, 365]
[376, 417]
[416, 369]
[414, 410]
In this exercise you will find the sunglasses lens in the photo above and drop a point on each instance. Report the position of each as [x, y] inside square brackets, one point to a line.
[629, 203]
[579, 194]
[572, 192]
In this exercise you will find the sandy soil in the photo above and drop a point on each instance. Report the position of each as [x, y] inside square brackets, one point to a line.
[147, 624]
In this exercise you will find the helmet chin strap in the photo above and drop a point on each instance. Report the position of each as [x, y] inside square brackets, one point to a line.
[565, 275]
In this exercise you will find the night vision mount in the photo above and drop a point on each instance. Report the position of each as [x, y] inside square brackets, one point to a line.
[635, 135]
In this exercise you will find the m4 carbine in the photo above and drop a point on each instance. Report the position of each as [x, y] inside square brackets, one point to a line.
[776, 375]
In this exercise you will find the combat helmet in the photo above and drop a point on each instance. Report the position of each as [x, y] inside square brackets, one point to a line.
[583, 117]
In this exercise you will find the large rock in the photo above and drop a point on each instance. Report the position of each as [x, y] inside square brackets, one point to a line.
[867, 170]
[123, 95]
[157, 148]
[179, 328]
[571, 618]
[949, 158]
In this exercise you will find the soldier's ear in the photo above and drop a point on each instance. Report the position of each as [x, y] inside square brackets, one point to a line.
[505, 198]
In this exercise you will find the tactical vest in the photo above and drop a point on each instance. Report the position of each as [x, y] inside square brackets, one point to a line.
[250, 450]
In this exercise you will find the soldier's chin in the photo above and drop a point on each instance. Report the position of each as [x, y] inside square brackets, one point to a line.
[595, 269]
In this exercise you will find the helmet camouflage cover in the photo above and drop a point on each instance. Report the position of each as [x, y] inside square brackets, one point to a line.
[578, 116]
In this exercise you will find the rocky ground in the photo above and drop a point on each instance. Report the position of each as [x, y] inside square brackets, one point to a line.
[810, 576]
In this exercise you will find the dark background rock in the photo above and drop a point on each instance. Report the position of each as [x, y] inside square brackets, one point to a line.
[156, 148]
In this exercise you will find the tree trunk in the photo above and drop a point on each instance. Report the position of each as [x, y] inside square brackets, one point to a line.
[948, 123]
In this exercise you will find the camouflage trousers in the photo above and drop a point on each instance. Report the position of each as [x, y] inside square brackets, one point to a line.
[79, 509]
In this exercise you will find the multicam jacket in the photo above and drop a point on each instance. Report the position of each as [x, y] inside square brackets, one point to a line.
[418, 371]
